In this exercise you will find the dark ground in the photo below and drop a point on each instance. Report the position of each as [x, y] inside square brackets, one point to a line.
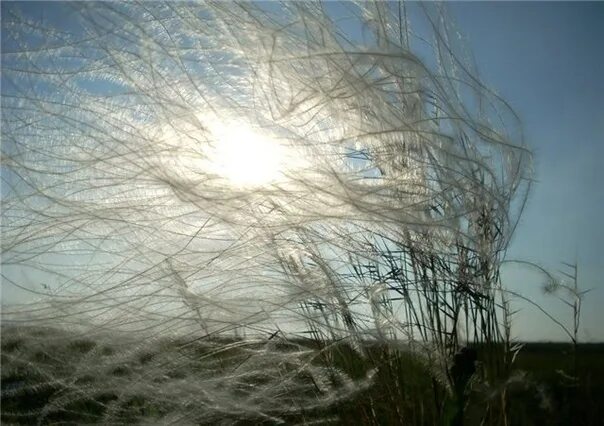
[540, 391]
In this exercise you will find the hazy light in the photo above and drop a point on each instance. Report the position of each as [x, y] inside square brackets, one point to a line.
[244, 156]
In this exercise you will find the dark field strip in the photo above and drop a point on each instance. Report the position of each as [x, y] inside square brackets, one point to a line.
[540, 390]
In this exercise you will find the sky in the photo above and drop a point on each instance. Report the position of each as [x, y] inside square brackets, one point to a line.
[546, 60]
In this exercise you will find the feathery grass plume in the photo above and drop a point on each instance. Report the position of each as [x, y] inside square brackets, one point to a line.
[200, 185]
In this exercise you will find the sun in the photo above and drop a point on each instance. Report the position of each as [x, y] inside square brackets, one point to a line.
[244, 156]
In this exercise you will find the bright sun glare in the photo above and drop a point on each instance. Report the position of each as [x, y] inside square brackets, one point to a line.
[245, 157]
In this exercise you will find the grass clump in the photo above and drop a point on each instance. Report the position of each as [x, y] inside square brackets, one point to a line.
[346, 269]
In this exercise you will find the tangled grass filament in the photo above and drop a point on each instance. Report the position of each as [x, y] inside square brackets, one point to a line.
[217, 194]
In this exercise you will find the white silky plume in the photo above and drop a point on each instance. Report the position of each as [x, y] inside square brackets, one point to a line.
[182, 180]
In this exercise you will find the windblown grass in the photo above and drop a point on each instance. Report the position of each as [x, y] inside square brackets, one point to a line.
[401, 179]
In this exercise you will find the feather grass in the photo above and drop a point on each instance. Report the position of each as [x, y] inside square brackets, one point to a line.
[402, 182]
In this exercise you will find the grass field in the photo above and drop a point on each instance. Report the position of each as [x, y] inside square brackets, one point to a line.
[37, 380]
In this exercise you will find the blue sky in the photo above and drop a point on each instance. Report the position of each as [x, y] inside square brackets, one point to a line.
[546, 59]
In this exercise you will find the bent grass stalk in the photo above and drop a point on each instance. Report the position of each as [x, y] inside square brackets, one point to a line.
[373, 250]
